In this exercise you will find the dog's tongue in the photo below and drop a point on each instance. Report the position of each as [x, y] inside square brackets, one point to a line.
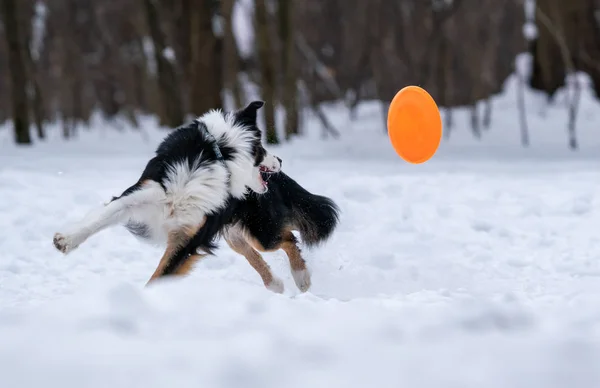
[262, 180]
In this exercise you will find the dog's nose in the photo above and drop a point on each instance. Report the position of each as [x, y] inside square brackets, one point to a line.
[280, 161]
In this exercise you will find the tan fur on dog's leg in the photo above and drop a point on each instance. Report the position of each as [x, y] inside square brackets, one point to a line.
[241, 246]
[187, 266]
[175, 242]
[177, 239]
[300, 273]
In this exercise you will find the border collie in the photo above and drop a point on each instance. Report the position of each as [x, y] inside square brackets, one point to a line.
[264, 223]
[187, 192]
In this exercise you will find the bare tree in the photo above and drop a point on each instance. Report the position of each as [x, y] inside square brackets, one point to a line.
[231, 55]
[205, 65]
[173, 114]
[173, 58]
[28, 17]
[288, 67]
[556, 26]
[18, 71]
[267, 67]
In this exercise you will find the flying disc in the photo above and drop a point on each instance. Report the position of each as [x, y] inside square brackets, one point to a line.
[414, 125]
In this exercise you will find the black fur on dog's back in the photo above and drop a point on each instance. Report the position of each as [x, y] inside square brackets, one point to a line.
[287, 205]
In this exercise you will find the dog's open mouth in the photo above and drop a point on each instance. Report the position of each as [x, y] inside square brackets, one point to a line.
[265, 174]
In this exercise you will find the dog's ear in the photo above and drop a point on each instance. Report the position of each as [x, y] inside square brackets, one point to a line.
[247, 116]
[255, 105]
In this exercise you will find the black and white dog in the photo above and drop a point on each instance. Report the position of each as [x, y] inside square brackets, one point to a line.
[189, 190]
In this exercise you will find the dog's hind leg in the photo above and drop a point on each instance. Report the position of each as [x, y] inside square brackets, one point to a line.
[114, 212]
[238, 243]
[178, 258]
[187, 265]
[300, 273]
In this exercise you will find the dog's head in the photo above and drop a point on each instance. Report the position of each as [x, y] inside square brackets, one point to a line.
[265, 163]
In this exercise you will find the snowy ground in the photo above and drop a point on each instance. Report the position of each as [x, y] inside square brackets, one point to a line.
[480, 268]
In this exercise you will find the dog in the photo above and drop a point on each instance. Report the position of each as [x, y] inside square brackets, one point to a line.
[265, 222]
[188, 191]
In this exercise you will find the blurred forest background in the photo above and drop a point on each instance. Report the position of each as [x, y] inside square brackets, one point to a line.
[63, 60]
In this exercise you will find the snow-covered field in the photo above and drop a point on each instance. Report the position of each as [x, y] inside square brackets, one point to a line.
[479, 268]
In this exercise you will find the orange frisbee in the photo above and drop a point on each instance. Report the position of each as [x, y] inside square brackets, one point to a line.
[414, 125]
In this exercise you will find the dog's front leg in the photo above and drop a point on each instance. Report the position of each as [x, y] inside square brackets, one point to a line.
[237, 242]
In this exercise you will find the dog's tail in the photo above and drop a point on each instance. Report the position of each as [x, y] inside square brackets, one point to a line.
[315, 216]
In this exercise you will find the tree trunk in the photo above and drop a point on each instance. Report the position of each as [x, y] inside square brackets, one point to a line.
[448, 122]
[205, 70]
[267, 69]
[67, 63]
[290, 88]
[37, 98]
[17, 69]
[487, 113]
[37, 105]
[64, 75]
[567, 40]
[168, 84]
[573, 108]
[522, 112]
[231, 56]
[184, 59]
[447, 90]
[475, 127]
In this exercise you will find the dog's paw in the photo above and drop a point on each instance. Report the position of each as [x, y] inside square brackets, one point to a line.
[65, 243]
[276, 285]
[302, 279]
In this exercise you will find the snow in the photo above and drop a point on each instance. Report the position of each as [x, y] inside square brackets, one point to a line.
[479, 268]
[243, 27]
